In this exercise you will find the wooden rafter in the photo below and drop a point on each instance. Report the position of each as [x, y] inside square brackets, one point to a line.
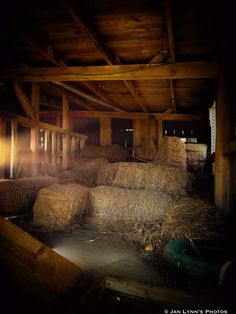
[59, 59]
[44, 47]
[170, 31]
[23, 99]
[86, 96]
[181, 70]
[104, 51]
[49, 87]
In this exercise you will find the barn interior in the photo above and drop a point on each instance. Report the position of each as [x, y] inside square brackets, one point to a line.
[117, 156]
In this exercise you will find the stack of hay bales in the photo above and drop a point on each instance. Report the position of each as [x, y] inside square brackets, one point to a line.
[196, 157]
[60, 206]
[84, 171]
[172, 153]
[113, 153]
[116, 204]
[140, 176]
[17, 196]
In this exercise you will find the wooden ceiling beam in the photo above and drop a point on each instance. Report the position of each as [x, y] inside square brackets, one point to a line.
[86, 96]
[136, 115]
[23, 99]
[181, 70]
[104, 51]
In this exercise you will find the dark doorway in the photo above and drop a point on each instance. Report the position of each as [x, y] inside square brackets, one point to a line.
[122, 132]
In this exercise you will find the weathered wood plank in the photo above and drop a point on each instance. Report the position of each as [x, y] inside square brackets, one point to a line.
[179, 70]
[155, 293]
[47, 273]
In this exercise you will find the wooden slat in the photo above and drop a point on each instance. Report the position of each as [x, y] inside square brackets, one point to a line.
[179, 70]
[87, 96]
[45, 272]
[66, 126]
[135, 115]
[230, 148]
[23, 99]
[42, 125]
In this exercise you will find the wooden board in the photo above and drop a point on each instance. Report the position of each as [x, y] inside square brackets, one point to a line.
[44, 271]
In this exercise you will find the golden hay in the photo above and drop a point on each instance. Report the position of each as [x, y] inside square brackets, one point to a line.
[194, 218]
[113, 153]
[172, 153]
[196, 157]
[84, 171]
[186, 218]
[142, 176]
[106, 174]
[113, 204]
[60, 206]
[17, 196]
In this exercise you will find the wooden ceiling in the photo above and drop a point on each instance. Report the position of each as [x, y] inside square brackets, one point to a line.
[61, 34]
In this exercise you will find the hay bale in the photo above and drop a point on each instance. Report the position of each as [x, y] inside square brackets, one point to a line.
[194, 218]
[140, 176]
[112, 204]
[172, 153]
[60, 206]
[84, 171]
[17, 196]
[106, 174]
[113, 153]
[196, 157]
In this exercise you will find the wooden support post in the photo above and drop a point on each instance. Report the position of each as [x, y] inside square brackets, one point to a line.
[13, 156]
[159, 132]
[34, 130]
[222, 163]
[2, 146]
[65, 125]
[152, 138]
[138, 138]
[105, 131]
